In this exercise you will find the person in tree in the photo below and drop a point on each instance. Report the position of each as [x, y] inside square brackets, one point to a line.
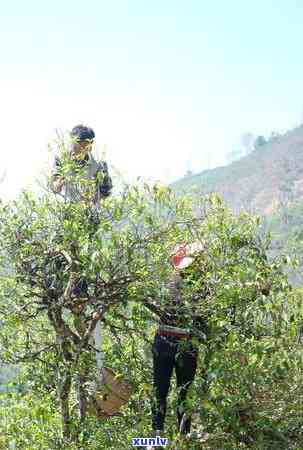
[173, 346]
[68, 184]
[77, 176]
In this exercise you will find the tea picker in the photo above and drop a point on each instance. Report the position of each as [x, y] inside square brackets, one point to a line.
[109, 393]
[173, 347]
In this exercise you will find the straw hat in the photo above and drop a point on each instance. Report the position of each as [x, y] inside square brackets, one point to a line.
[184, 255]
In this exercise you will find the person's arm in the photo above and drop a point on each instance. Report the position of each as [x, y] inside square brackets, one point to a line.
[56, 181]
[200, 328]
[165, 306]
[105, 183]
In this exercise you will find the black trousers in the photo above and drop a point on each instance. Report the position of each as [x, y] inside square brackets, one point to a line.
[172, 353]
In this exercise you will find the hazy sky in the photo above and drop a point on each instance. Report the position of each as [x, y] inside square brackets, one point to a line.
[167, 85]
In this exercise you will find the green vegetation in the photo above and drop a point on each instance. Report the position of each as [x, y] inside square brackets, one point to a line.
[70, 266]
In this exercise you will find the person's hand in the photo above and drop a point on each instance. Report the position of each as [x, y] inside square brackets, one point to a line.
[58, 184]
[199, 335]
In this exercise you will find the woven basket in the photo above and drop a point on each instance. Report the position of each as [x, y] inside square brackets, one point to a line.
[111, 394]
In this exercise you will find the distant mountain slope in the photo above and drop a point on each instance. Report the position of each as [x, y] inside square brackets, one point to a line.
[260, 180]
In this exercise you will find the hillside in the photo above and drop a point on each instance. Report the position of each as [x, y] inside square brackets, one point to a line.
[268, 177]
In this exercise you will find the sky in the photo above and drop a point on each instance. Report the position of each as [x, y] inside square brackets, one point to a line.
[168, 85]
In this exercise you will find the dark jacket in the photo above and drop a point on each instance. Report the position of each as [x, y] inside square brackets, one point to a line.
[179, 314]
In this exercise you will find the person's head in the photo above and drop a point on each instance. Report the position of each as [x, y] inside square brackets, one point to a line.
[82, 140]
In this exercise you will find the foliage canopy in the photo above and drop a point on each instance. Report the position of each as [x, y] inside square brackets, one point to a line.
[68, 266]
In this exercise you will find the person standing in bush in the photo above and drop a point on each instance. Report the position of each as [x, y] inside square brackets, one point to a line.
[77, 177]
[173, 346]
[64, 182]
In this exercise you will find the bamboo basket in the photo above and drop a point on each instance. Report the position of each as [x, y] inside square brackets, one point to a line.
[111, 394]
